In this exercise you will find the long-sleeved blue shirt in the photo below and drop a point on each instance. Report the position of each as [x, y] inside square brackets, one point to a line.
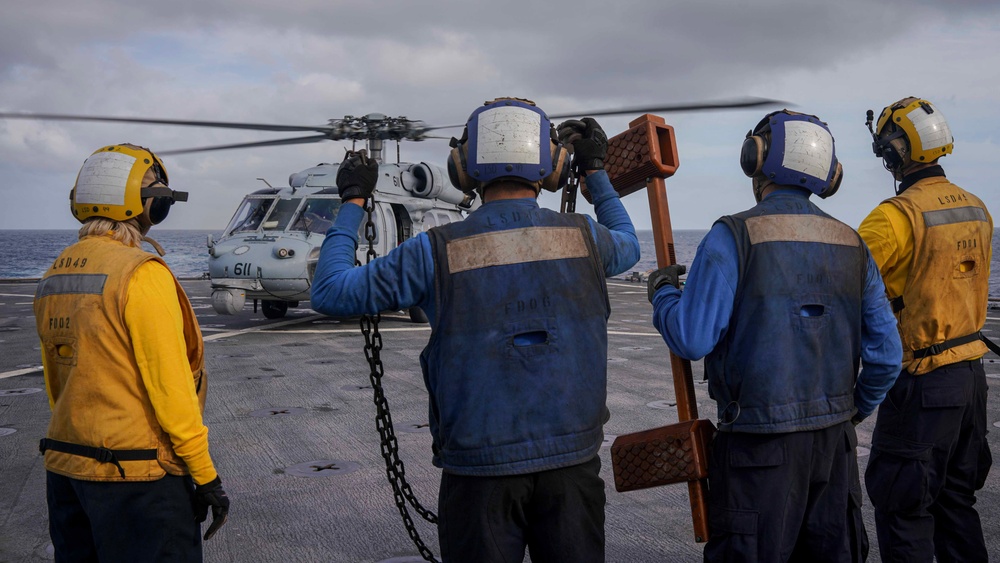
[405, 276]
[694, 321]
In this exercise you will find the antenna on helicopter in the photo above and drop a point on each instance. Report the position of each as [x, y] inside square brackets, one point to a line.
[266, 182]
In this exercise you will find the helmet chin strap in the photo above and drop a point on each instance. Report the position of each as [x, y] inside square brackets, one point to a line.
[159, 249]
[759, 185]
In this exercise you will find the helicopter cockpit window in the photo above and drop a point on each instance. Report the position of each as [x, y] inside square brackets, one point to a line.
[250, 214]
[281, 214]
[317, 215]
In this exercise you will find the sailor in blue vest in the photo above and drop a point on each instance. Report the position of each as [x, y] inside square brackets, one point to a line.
[784, 302]
[516, 364]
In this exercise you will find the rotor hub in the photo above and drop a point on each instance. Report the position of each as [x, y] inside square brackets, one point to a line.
[376, 126]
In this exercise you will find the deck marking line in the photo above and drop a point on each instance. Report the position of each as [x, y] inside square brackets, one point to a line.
[350, 330]
[260, 328]
[413, 329]
[17, 372]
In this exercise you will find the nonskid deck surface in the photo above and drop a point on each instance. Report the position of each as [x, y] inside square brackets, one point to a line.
[292, 433]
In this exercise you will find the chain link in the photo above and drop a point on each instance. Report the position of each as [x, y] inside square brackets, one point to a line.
[394, 469]
[568, 204]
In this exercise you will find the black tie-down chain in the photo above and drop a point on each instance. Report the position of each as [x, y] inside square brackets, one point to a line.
[568, 204]
[394, 469]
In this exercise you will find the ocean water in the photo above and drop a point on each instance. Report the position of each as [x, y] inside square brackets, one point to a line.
[28, 253]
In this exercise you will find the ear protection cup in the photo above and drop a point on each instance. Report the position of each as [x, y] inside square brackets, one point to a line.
[838, 175]
[158, 209]
[458, 168]
[755, 147]
[560, 168]
[752, 154]
[886, 147]
[453, 173]
[891, 155]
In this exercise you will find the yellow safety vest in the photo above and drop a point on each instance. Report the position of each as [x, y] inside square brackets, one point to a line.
[944, 299]
[99, 400]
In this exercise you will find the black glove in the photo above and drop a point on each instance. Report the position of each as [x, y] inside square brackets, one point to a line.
[589, 142]
[357, 176]
[211, 494]
[663, 276]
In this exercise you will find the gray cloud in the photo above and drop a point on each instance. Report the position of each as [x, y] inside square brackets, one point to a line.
[303, 62]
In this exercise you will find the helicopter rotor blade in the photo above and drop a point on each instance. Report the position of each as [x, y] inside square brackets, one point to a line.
[363, 129]
[277, 142]
[739, 103]
[442, 127]
[190, 123]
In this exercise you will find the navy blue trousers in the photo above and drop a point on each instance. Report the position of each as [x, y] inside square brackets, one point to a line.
[929, 457]
[93, 521]
[785, 497]
[558, 515]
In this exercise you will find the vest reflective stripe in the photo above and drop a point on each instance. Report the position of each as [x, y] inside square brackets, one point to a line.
[516, 246]
[62, 284]
[800, 228]
[949, 216]
[947, 286]
[99, 399]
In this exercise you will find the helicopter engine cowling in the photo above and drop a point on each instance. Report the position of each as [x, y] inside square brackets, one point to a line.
[431, 182]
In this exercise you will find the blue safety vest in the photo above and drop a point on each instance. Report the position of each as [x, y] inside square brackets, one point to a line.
[790, 356]
[516, 366]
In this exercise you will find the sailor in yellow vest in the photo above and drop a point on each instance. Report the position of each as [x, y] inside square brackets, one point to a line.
[932, 243]
[129, 476]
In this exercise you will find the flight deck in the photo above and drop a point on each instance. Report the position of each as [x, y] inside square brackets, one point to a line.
[293, 436]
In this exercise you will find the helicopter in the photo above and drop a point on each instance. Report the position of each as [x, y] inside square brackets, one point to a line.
[269, 249]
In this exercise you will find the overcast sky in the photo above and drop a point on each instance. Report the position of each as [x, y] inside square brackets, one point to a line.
[303, 62]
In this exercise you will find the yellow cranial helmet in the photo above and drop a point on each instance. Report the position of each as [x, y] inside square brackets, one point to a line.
[117, 182]
[912, 130]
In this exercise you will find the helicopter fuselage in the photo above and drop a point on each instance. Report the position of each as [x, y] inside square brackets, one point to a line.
[269, 250]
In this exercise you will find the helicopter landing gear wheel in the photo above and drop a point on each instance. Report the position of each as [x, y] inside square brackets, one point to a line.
[418, 315]
[274, 309]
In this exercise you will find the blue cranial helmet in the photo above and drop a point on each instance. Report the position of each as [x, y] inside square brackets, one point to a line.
[793, 149]
[507, 138]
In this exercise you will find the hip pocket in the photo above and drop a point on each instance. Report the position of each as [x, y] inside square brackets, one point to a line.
[733, 535]
[897, 474]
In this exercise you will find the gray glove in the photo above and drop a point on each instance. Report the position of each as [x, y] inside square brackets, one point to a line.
[357, 176]
[669, 275]
[589, 142]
